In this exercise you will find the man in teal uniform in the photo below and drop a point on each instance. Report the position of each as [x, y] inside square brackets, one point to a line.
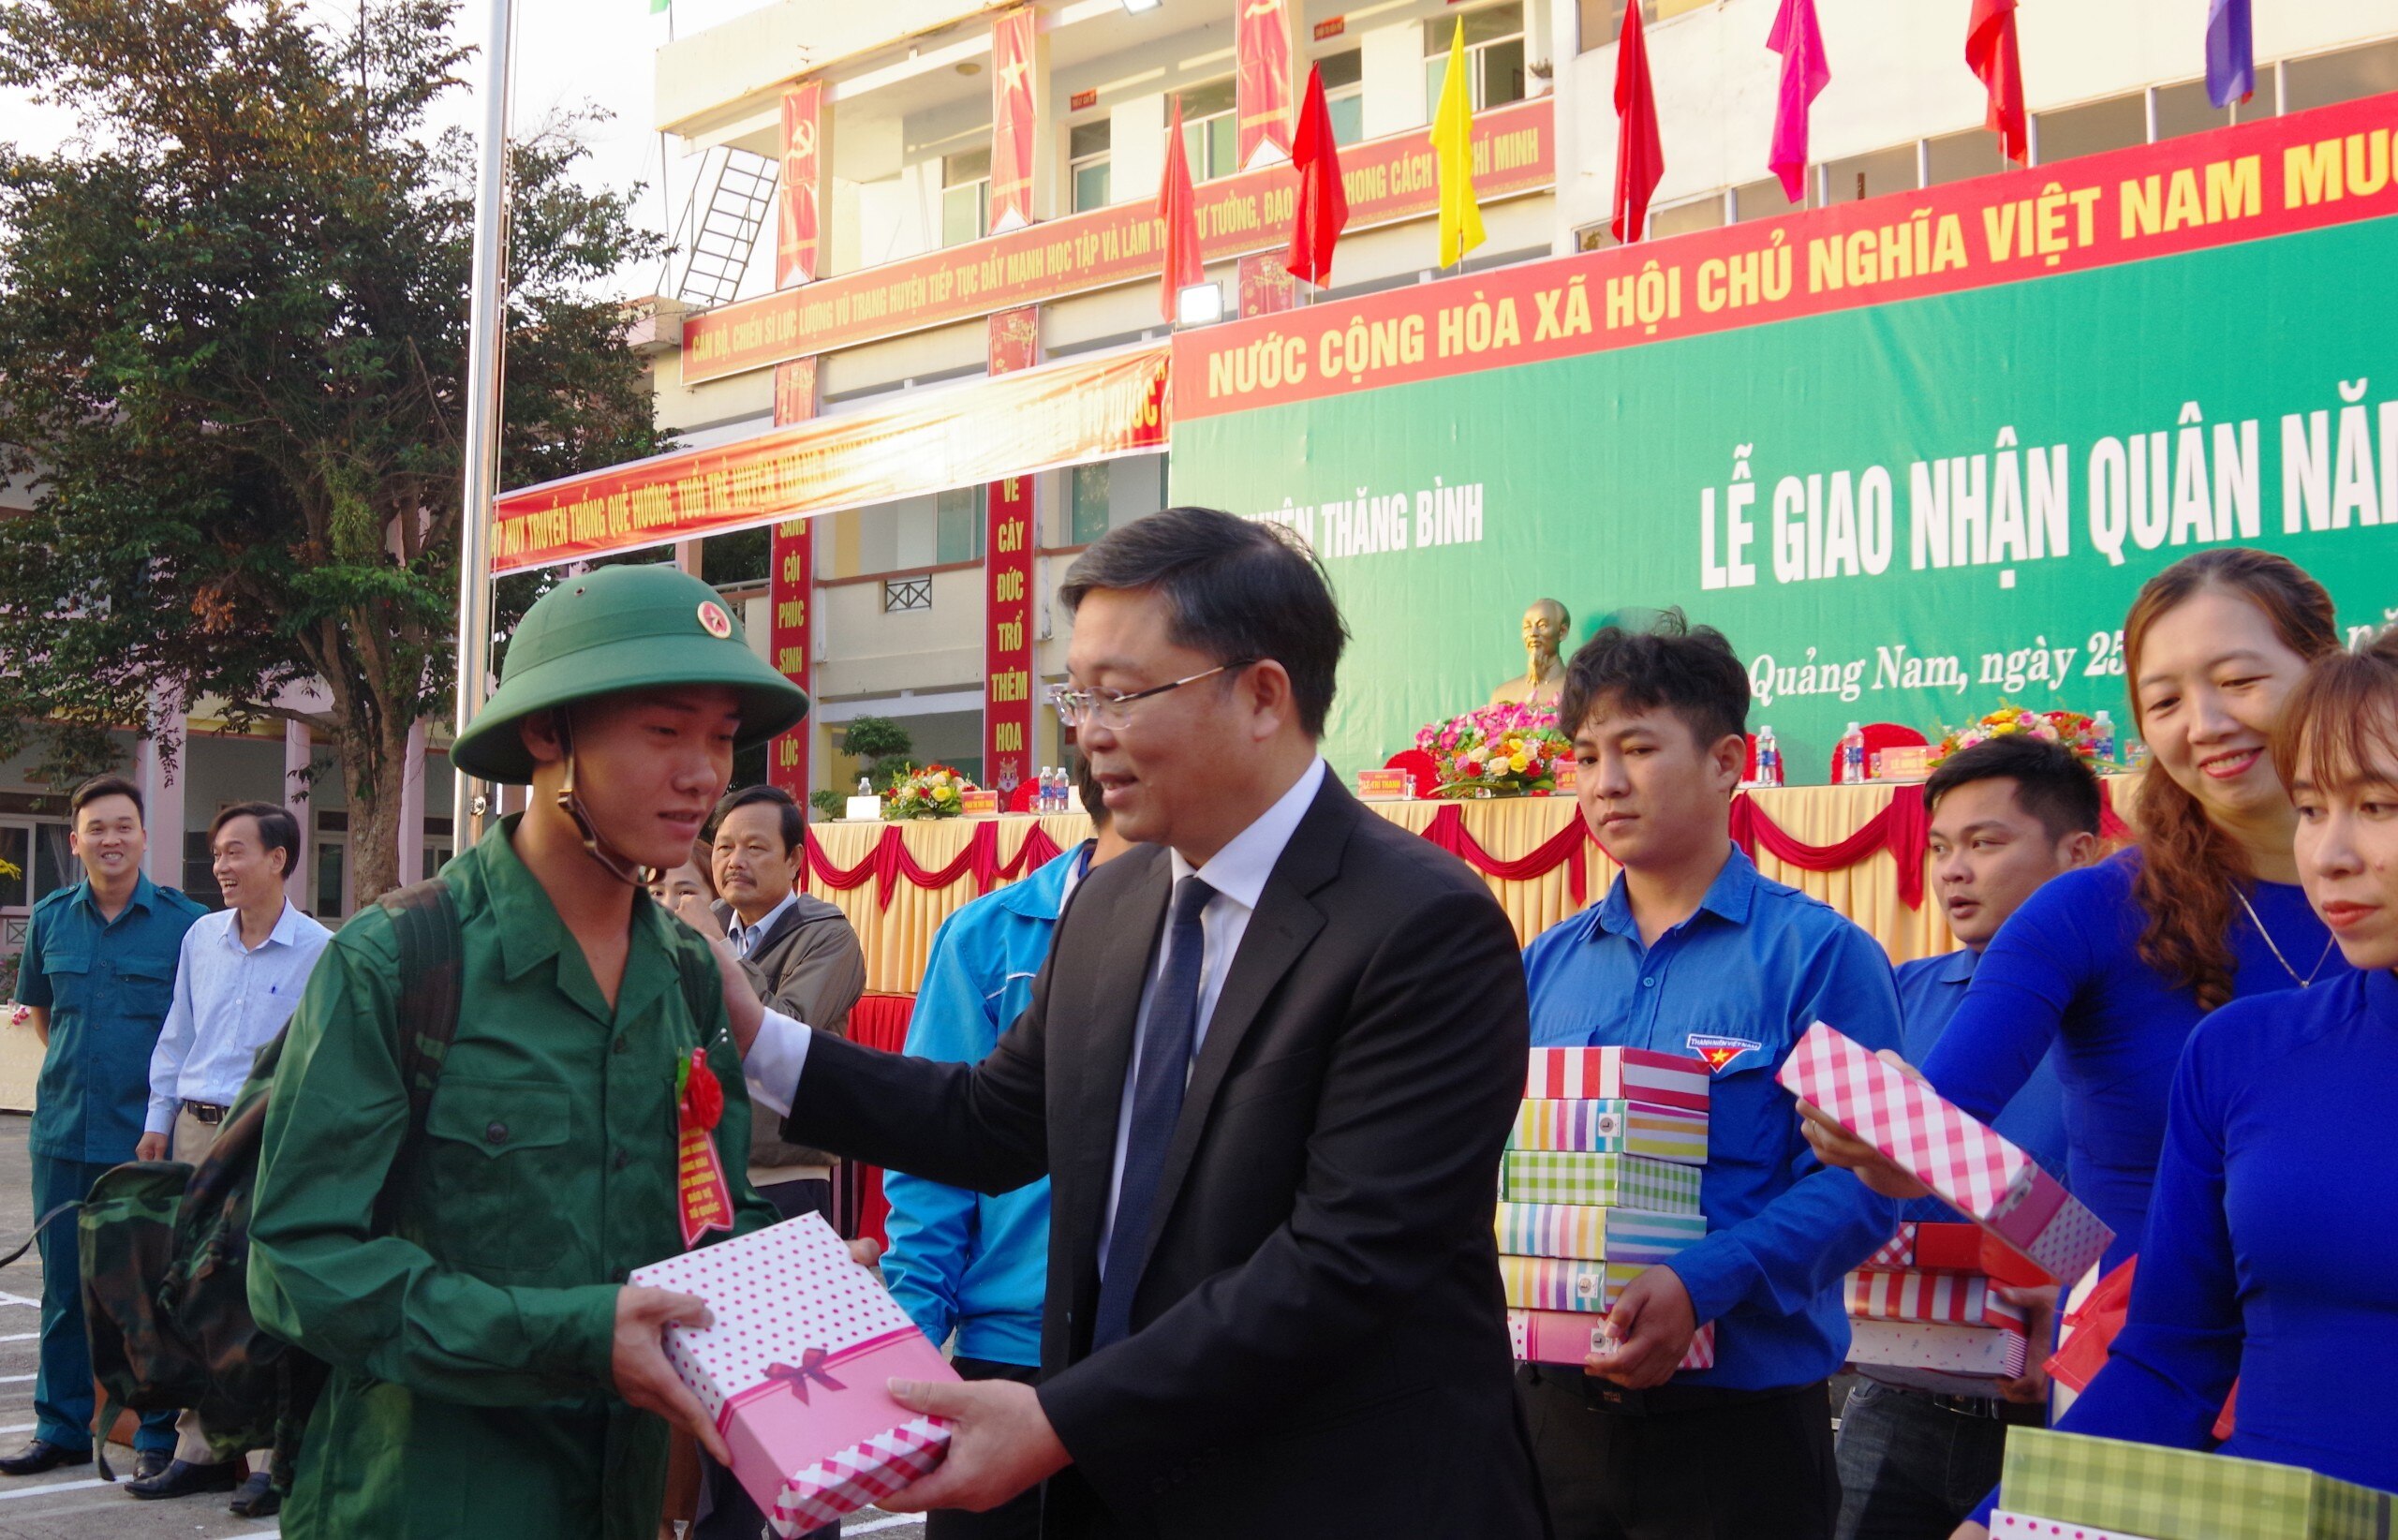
[493, 1375]
[97, 974]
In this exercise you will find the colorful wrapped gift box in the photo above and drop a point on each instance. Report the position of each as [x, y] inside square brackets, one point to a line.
[1981, 1174]
[2016, 1526]
[1559, 1283]
[2180, 1494]
[1932, 1247]
[1610, 1075]
[794, 1367]
[1615, 1181]
[1947, 1360]
[1613, 1127]
[1568, 1337]
[1595, 1235]
[1962, 1299]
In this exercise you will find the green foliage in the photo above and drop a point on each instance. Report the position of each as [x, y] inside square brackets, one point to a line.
[828, 802]
[884, 747]
[232, 359]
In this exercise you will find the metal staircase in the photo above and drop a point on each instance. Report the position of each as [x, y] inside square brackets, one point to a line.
[721, 224]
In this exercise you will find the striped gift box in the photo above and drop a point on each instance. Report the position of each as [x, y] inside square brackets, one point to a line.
[1555, 1284]
[1614, 1181]
[1595, 1235]
[1630, 1075]
[1958, 1157]
[1568, 1337]
[2180, 1494]
[1956, 1298]
[1613, 1127]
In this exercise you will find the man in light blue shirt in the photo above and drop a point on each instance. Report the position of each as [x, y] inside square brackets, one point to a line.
[1693, 952]
[237, 981]
[975, 1263]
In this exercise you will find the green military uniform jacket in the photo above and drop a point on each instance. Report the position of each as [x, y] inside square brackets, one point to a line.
[470, 1337]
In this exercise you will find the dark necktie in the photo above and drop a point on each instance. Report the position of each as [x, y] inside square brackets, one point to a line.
[1166, 1038]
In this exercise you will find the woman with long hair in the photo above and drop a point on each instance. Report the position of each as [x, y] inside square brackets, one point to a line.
[2113, 965]
[2269, 1256]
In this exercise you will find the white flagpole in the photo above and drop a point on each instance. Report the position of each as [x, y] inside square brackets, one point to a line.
[484, 344]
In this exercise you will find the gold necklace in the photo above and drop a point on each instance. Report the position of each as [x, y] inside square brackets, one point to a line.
[2278, 951]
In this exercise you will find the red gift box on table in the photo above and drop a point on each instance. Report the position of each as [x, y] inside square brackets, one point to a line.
[1981, 1174]
[1611, 1075]
[1568, 1337]
[794, 1371]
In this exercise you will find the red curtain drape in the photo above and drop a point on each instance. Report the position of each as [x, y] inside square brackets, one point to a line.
[891, 860]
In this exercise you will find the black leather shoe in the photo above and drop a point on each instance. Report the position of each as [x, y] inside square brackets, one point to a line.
[182, 1479]
[150, 1463]
[41, 1455]
[258, 1498]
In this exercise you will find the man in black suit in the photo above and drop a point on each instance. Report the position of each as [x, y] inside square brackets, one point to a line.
[1269, 1069]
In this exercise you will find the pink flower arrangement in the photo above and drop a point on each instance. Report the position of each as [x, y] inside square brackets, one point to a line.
[1497, 750]
[2069, 727]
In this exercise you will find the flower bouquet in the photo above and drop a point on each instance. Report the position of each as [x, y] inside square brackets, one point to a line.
[2072, 728]
[932, 791]
[1497, 751]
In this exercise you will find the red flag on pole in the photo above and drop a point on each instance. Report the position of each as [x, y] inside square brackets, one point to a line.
[1799, 40]
[1640, 158]
[1990, 53]
[1322, 209]
[1178, 207]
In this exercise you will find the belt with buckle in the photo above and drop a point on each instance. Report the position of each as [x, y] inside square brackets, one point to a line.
[1991, 1408]
[206, 1113]
[1610, 1399]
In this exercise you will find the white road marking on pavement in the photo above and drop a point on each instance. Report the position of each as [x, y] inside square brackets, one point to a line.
[51, 1486]
[18, 1299]
[21, 1337]
[891, 1523]
[20, 1428]
[14, 1379]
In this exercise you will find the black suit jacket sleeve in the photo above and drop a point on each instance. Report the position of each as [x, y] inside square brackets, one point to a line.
[976, 1126]
[1422, 1084]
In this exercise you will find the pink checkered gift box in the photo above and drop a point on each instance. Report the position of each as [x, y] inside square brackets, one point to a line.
[1958, 1157]
[793, 1370]
[1958, 1298]
[1608, 1075]
[1568, 1337]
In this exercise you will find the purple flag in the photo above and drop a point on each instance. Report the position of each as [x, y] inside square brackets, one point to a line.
[1804, 74]
[2231, 54]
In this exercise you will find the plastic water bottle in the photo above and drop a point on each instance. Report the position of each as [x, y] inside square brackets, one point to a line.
[1852, 755]
[1040, 797]
[1769, 757]
[1052, 801]
[2102, 738]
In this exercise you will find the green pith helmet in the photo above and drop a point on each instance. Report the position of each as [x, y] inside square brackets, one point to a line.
[619, 629]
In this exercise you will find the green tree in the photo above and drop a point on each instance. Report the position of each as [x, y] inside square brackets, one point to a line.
[881, 745]
[232, 360]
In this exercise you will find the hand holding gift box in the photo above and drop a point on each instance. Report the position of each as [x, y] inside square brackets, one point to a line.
[1569, 1336]
[1981, 1172]
[792, 1372]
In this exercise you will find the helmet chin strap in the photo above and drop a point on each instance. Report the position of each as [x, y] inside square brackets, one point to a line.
[630, 873]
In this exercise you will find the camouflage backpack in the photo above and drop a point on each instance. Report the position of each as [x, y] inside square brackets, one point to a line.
[166, 1246]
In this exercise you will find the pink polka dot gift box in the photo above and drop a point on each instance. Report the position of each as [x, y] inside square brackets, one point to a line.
[794, 1369]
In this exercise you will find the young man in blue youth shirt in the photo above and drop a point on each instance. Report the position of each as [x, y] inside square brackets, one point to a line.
[2007, 815]
[962, 1261]
[1692, 952]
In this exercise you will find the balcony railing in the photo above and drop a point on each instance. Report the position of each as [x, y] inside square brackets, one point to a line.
[901, 595]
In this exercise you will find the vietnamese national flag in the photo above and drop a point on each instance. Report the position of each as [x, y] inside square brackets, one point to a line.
[1322, 209]
[1804, 74]
[1990, 53]
[1639, 158]
[1177, 206]
[2231, 53]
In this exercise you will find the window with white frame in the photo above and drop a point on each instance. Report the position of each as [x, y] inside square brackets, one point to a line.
[1087, 148]
[965, 196]
[1494, 54]
[1210, 140]
[1344, 94]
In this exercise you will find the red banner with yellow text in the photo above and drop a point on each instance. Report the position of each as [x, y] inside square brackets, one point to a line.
[1387, 181]
[791, 592]
[1068, 413]
[1007, 642]
[2256, 180]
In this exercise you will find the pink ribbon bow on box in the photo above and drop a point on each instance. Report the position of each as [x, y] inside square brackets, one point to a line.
[811, 1367]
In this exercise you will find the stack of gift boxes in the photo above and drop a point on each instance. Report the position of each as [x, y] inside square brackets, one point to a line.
[2061, 1486]
[1926, 1309]
[1600, 1180]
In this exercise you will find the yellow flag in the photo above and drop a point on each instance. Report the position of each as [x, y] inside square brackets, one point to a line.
[1453, 153]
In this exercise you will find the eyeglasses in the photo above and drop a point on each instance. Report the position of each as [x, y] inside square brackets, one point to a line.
[1104, 708]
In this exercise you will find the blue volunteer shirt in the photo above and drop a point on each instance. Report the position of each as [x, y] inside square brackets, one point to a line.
[1738, 983]
[106, 984]
[1930, 991]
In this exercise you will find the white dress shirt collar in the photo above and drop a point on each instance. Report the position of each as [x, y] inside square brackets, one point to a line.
[286, 931]
[745, 939]
[1239, 870]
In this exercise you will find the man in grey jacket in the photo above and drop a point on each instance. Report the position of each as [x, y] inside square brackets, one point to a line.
[801, 956]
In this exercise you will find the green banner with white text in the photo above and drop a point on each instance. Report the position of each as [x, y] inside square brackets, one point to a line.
[1913, 455]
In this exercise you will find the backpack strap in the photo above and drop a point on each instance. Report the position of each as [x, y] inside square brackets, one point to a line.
[424, 922]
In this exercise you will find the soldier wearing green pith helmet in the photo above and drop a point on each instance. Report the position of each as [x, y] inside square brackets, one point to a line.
[492, 1373]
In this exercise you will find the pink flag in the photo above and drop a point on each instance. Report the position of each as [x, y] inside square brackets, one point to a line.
[1640, 157]
[1804, 74]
